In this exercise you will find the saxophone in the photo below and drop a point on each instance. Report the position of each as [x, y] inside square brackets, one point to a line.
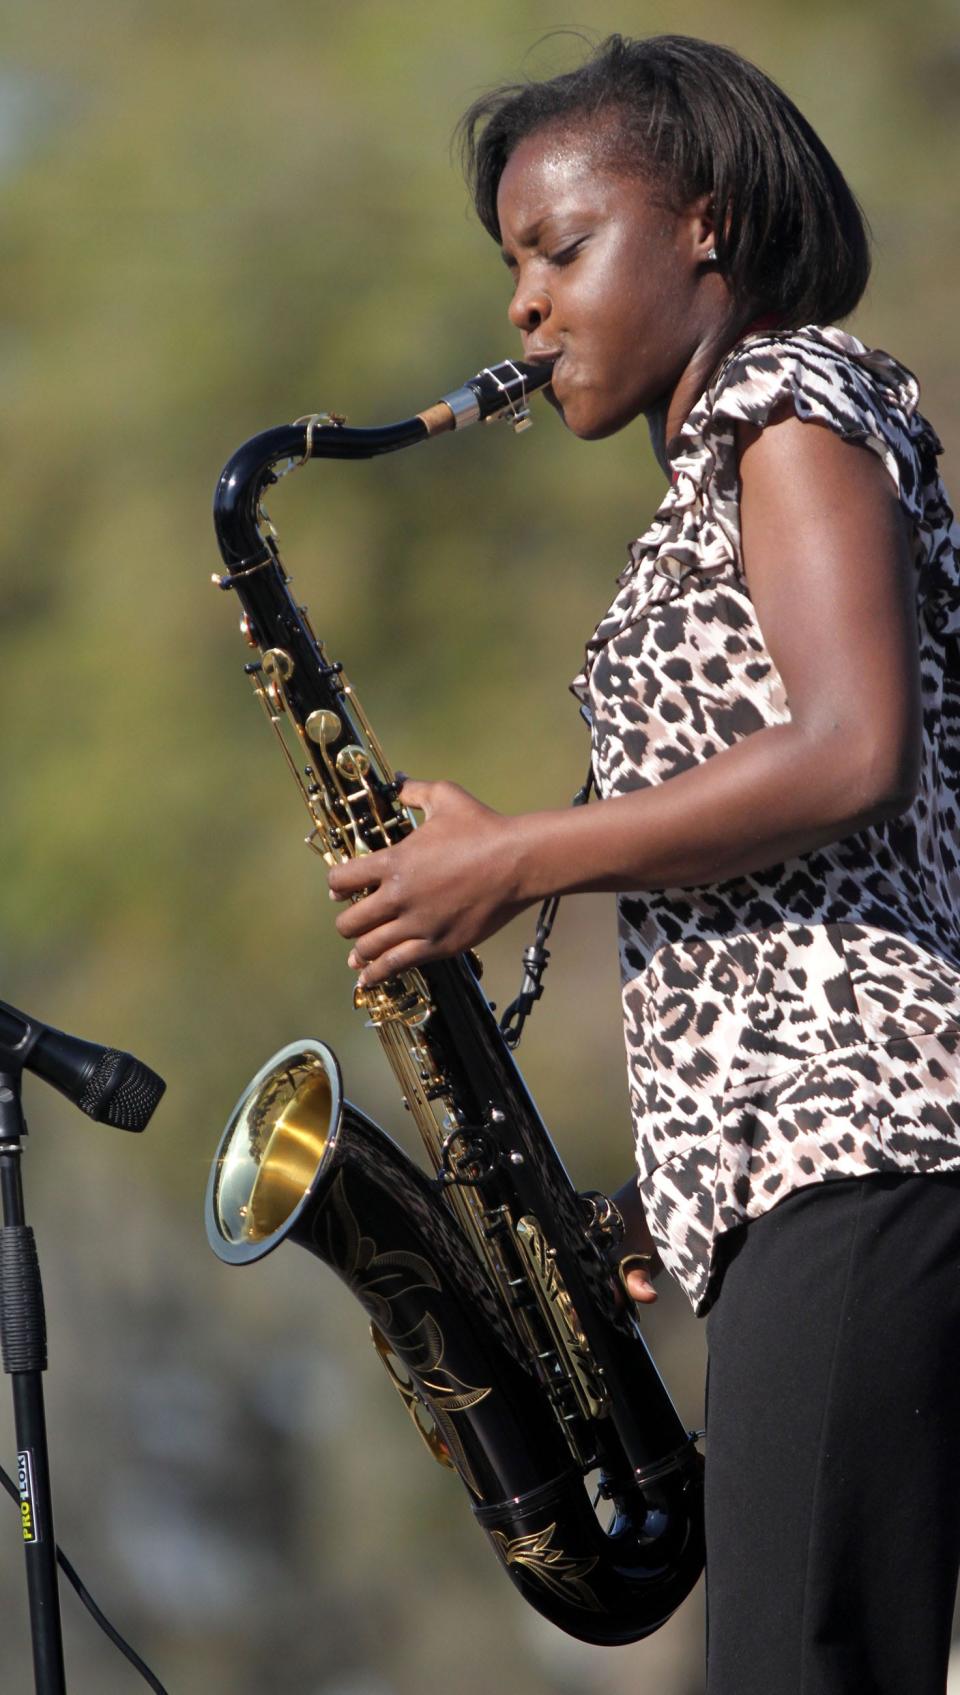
[490, 1284]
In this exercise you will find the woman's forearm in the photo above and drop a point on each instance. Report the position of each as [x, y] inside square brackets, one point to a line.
[468, 870]
[778, 793]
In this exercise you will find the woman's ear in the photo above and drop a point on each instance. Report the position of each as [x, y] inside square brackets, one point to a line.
[704, 230]
[698, 232]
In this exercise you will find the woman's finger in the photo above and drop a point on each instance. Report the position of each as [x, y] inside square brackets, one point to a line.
[396, 959]
[365, 915]
[639, 1287]
[636, 1274]
[369, 947]
[354, 876]
[417, 794]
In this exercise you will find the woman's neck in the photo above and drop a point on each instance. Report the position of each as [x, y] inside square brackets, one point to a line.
[667, 418]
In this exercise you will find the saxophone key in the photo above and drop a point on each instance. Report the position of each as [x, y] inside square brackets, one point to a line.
[323, 726]
[354, 763]
[278, 664]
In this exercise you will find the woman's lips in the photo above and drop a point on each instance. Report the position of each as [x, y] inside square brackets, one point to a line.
[546, 356]
[557, 366]
[554, 359]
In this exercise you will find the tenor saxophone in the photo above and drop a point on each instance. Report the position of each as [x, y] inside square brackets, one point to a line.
[490, 1282]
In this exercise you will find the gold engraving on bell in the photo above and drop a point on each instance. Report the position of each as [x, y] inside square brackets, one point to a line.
[323, 726]
[558, 1571]
[277, 664]
[430, 1401]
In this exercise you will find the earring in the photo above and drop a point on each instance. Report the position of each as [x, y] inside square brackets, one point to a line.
[711, 255]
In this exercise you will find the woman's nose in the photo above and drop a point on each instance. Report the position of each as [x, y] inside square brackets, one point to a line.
[529, 308]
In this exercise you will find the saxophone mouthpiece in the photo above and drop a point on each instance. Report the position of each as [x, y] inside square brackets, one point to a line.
[498, 391]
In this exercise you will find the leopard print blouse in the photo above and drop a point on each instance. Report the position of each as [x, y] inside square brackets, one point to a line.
[801, 1023]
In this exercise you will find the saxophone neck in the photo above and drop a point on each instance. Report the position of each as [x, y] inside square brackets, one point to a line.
[237, 516]
[498, 391]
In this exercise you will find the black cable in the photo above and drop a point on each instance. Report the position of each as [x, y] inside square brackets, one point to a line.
[536, 957]
[90, 1604]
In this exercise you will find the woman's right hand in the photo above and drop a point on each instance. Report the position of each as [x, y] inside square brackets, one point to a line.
[639, 1261]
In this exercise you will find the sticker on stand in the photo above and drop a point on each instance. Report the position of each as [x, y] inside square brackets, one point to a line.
[28, 1515]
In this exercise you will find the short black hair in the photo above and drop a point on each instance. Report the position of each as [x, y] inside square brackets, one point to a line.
[697, 119]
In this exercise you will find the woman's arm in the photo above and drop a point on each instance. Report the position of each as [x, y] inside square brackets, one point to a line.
[827, 556]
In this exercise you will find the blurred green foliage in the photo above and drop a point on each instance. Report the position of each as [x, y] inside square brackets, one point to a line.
[216, 218]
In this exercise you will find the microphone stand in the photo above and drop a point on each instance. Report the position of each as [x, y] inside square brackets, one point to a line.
[23, 1342]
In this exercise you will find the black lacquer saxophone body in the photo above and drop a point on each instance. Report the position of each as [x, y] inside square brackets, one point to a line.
[489, 1283]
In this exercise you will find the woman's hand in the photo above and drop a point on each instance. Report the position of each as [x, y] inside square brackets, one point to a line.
[639, 1261]
[446, 887]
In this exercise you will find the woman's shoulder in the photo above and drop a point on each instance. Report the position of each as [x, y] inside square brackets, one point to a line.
[826, 376]
[818, 368]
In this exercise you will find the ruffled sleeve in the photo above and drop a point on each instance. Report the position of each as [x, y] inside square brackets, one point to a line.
[863, 395]
[830, 378]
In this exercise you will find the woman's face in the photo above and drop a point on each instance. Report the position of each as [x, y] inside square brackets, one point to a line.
[607, 278]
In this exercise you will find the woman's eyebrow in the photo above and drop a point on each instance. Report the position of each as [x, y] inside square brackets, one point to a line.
[528, 237]
[534, 232]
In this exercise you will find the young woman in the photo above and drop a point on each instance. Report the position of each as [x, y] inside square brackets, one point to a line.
[774, 699]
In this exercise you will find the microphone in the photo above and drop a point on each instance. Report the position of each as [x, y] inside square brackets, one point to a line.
[111, 1087]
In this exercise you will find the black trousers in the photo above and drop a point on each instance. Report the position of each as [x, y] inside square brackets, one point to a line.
[833, 1443]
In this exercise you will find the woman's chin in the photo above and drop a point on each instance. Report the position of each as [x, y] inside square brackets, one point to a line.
[584, 417]
[588, 426]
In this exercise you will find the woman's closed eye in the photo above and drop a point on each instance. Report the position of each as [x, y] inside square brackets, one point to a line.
[557, 260]
[566, 255]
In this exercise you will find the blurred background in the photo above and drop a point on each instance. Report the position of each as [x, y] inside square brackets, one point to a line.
[216, 218]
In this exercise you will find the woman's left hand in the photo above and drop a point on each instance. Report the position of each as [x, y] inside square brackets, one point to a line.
[444, 888]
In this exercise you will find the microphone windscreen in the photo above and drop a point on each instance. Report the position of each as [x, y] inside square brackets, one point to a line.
[121, 1091]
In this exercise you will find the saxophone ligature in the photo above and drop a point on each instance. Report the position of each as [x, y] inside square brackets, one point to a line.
[490, 1281]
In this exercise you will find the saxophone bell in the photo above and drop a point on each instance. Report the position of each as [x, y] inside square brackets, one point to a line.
[298, 1163]
[279, 1142]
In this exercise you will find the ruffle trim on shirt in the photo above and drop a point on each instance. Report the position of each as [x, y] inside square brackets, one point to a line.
[866, 397]
[684, 540]
[831, 378]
